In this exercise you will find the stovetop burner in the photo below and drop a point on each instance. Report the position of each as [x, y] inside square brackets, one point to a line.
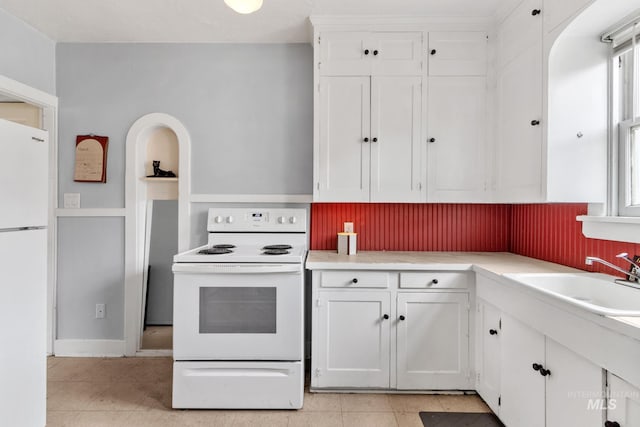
[215, 251]
[275, 251]
[277, 247]
[224, 246]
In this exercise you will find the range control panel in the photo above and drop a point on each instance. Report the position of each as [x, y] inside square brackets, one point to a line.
[260, 220]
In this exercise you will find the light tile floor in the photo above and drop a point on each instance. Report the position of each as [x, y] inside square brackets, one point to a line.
[88, 392]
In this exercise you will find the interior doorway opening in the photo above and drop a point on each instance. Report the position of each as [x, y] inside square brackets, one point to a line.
[156, 227]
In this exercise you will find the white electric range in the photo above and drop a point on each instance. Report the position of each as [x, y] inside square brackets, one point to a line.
[238, 312]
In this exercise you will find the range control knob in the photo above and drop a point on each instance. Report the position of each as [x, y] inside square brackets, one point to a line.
[293, 220]
[218, 219]
[229, 219]
[281, 220]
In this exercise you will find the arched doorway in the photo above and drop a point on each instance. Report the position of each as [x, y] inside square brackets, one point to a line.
[136, 190]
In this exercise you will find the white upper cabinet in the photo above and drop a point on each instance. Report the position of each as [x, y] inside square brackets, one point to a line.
[518, 168]
[456, 138]
[395, 139]
[366, 53]
[343, 152]
[457, 53]
[519, 31]
[369, 146]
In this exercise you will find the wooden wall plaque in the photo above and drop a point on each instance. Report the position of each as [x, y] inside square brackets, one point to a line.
[91, 158]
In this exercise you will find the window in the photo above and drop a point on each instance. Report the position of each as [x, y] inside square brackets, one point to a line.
[626, 122]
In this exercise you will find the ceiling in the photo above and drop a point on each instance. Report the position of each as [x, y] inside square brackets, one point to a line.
[211, 20]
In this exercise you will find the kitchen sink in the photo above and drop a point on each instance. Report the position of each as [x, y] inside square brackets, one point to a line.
[594, 292]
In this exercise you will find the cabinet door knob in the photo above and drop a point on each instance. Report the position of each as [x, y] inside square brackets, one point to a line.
[375, 52]
[402, 317]
[366, 51]
[433, 52]
[432, 140]
[535, 12]
[493, 332]
[544, 372]
[385, 316]
[366, 140]
[611, 424]
[374, 140]
[536, 366]
[535, 122]
[354, 280]
[434, 281]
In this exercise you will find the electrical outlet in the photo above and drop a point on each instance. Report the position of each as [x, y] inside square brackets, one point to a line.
[100, 311]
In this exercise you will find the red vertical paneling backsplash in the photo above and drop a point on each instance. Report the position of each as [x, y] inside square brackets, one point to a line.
[551, 232]
[545, 231]
[413, 227]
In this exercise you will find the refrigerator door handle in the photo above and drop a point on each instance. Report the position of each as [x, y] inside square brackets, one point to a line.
[14, 229]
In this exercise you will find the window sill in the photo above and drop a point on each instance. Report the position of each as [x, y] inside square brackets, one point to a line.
[618, 228]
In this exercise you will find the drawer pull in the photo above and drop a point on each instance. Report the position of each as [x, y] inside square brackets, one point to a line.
[535, 12]
[536, 366]
[366, 51]
[611, 424]
[385, 316]
[354, 280]
[544, 372]
[493, 332]
[402, 317]
[434, 282]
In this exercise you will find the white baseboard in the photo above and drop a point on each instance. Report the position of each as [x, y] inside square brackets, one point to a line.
[88, 348]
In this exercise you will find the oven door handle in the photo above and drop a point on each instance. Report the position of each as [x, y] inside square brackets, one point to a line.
[207, 268]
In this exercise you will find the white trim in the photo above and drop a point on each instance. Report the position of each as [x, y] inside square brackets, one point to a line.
[135, 203]
[89, 348]
[154, 353]
[90, 212]
[251, 198]
[49, 104]
[400, 21]
[618, 228]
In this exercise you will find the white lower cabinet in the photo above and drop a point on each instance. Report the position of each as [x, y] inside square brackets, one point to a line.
[488, 337]
[541, 383]
[389, 339]
[432, 341]
[623, 405]
[352, 339]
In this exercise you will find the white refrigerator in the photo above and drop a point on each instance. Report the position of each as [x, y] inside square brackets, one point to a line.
[24, 181]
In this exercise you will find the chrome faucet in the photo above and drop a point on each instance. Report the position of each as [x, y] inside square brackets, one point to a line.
[632, 275]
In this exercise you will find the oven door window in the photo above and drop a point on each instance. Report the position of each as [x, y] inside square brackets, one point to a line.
[238, 310]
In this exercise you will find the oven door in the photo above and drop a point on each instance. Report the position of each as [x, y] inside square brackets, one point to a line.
[237, 311]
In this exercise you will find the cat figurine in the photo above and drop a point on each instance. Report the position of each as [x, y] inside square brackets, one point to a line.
[159, 173]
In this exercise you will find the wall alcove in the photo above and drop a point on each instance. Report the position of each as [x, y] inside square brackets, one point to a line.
[161, 137]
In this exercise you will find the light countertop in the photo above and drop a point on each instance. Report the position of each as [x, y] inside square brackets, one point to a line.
[494, 262]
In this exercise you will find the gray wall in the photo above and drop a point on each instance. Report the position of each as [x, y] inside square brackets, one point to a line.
[26, 55]
[90, 272]
[163, 245]
[248, 109]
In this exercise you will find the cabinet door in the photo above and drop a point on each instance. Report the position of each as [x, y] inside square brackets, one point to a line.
[623, 405]
[352, 346]
[571, 385]
[457, 126]
[520, 31]
[521, 387]
[343, 155]
[488, 354]
[457, 53]
[395, 128]
[519, 154]
[345, 53]
[556, 12]
[433, 341]
[397, 53]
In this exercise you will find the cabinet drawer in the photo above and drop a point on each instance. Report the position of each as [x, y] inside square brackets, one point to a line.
[355, 279]
[434, 280]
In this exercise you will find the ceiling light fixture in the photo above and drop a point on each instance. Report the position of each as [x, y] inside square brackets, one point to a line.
[244, 6]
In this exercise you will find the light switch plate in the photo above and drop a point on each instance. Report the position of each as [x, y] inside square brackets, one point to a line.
[72, 200]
